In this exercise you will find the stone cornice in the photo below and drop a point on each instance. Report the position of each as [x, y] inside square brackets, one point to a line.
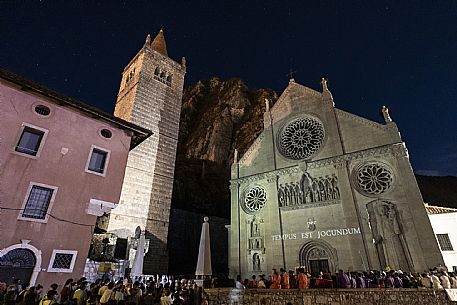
[252, 148]
[393, 150]
[356, 118]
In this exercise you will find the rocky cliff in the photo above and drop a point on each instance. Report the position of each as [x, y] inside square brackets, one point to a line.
[218, 116]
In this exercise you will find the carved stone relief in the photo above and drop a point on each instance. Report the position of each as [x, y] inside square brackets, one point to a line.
[308, 190]
[390, 243]
[255, 233]
[256, 247]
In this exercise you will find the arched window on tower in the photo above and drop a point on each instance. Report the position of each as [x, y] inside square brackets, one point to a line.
[157, 71]
[169, 80]
[162, 75]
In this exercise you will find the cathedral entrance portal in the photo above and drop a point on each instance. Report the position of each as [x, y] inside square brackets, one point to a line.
[318, 265]
[318, 256]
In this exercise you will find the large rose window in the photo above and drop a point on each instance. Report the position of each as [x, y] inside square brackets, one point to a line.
[301, 138]
[374, 178]
[255, 199]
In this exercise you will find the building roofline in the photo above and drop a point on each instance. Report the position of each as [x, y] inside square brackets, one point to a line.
[434, 209]
[139, 133]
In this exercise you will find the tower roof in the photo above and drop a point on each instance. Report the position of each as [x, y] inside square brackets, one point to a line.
[159, 44]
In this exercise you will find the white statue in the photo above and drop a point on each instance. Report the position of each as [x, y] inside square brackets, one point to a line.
[267, 105]
[386, 115]
[324, 83]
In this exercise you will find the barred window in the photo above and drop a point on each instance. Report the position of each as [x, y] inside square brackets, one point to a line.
[62, 261]
[445, 242]
[38, 202]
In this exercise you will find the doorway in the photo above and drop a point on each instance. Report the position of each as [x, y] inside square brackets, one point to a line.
[17, 264]
[318, 265]
[318, 256]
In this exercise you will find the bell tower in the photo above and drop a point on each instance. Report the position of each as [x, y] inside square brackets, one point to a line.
[150, 95]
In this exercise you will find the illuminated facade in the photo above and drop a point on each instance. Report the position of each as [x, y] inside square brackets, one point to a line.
[328, 190]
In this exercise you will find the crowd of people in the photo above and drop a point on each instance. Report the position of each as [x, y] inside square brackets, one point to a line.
[103, 292]
[373, 279]
[167, 291]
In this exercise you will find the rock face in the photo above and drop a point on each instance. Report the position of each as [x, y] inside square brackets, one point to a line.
[216, 117]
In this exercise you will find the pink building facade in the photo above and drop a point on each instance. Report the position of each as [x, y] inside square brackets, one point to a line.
[62, 164]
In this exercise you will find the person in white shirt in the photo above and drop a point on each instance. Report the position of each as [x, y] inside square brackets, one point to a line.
[426, 281]
[238, 283]
[445, 282]
[453, 280]
[436, 281]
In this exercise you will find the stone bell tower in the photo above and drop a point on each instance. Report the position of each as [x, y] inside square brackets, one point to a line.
[150, 95]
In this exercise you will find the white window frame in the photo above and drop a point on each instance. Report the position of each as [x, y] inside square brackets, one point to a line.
[53, 257]
[27, 194]
[108, 153]
[40, 148]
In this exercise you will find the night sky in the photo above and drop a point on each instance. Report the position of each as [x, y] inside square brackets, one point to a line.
[402, 54]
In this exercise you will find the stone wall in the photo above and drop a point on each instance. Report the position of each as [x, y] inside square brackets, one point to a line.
[152, 102]
[231, 296]
[92, 273]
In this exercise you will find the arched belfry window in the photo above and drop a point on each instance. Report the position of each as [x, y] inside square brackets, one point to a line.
[163, 77]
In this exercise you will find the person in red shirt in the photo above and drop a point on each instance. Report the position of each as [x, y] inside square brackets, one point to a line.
[275, 280]
[303, 282]
[284, 279]
[253, 283]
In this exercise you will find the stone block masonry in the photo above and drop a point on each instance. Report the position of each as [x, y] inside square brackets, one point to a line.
[150, 96]
[232, 296]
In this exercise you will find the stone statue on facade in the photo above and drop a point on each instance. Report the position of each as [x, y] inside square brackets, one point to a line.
[324, 83]
[385, 114]
[267, 105]
[388, 235]
[255, 238]
[256, 262]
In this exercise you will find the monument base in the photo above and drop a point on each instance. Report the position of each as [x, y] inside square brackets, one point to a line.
[204, 283]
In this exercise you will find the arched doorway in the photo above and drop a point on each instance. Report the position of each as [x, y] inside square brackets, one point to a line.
[318, 256]
[17, 263]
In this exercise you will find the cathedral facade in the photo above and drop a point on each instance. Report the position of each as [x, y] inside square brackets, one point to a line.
[150, 95]
[327, 190]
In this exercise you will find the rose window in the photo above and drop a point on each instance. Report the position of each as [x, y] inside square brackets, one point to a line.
[254, 199]
[374, 178]
[301, 138]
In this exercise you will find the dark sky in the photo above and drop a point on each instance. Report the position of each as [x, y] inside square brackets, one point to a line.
[402, 54]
